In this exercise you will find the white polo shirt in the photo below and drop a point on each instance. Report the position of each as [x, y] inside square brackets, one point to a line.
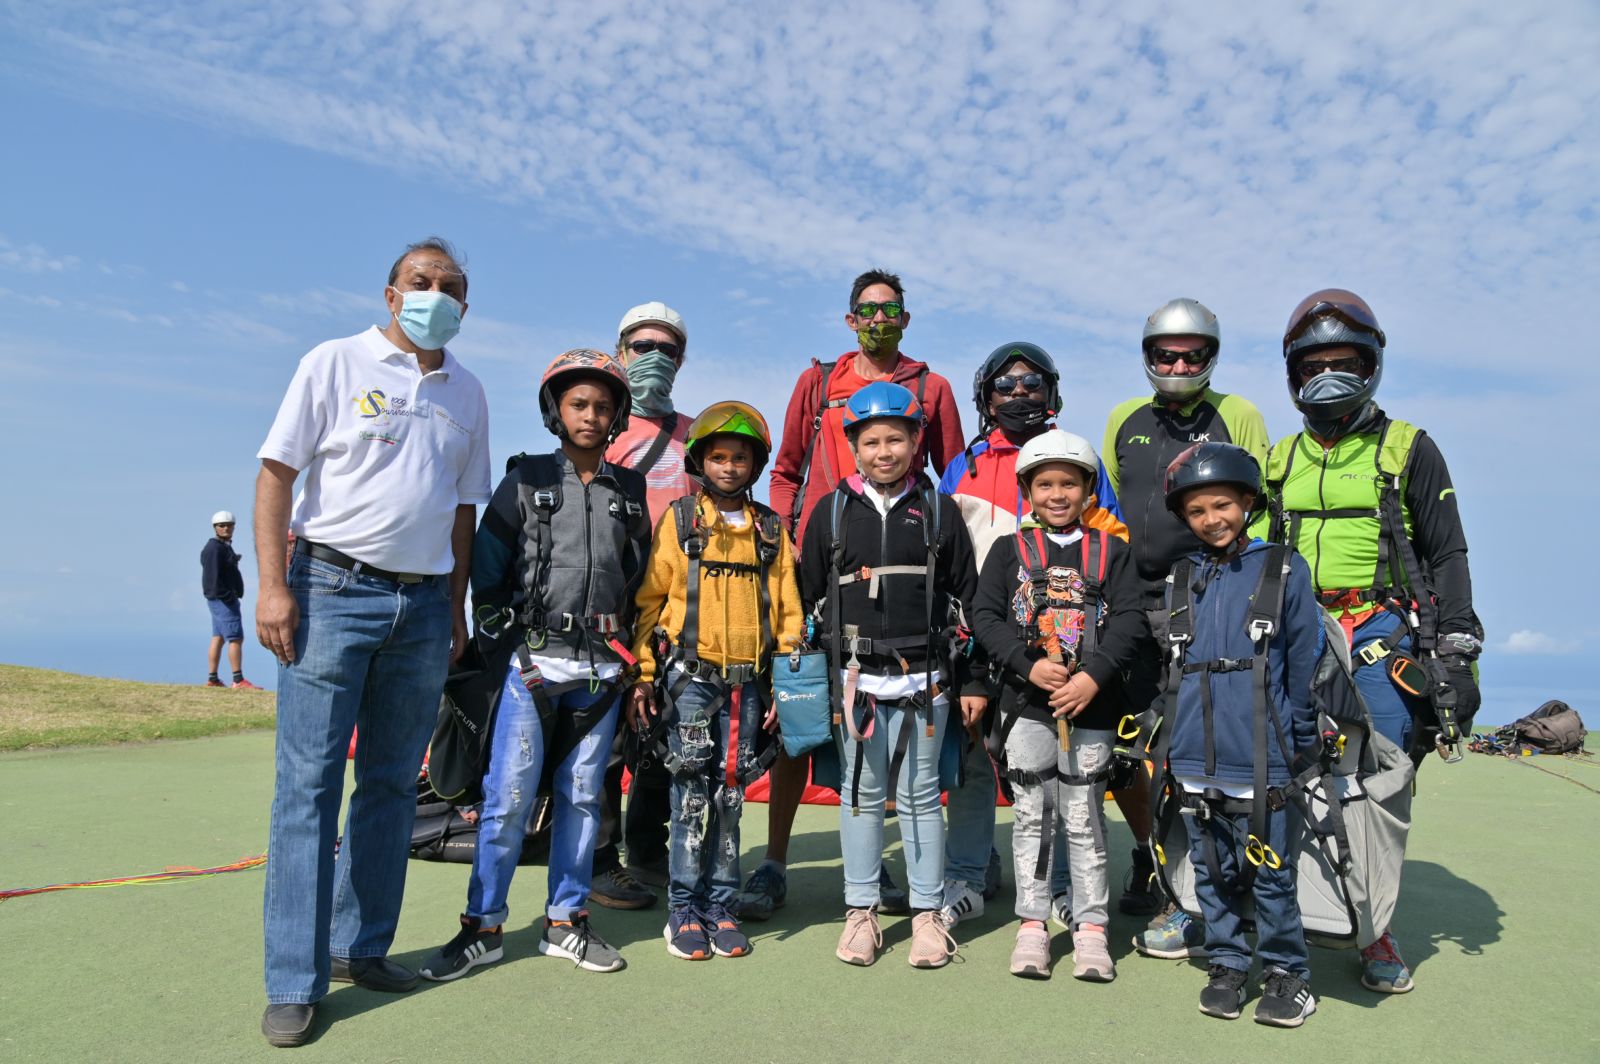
[388, 451]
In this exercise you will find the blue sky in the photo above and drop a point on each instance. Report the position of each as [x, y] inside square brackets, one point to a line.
[196, 194]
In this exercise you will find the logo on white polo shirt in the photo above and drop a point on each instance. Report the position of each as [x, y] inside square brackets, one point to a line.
[371, 403]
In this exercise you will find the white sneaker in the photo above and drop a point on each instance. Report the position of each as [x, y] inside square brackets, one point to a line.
[960, 902]
[1061, 910]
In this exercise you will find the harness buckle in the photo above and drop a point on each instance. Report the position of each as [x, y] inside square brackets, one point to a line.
[545, 498]
[1262, 629]
[1374, 652]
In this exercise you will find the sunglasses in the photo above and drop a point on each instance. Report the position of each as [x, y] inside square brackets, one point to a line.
[1308, 369]
[1028, 382]
[666, 347]
[870, 310]
[1164, 357]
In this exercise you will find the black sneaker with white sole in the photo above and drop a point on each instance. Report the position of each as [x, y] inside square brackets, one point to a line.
[1286, 1001]
[1223, 996]
[581, 944]
[473, 946]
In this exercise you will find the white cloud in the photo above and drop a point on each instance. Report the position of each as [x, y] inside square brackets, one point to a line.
[31, 258]
[1077, 164]
[1528, 641]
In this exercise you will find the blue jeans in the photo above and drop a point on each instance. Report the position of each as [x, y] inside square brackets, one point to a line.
[969, 837]
[511, 789]
[1391, 710]
[916, 801]
[1280, 936]
[703, 855]
[369, 655]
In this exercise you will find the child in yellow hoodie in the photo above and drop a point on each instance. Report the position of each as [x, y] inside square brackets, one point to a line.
[718, 599]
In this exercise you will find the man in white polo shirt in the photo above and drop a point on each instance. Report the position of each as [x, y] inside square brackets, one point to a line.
[392, 435]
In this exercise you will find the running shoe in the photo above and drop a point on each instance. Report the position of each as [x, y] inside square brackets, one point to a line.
[473, 946]
[581, 944]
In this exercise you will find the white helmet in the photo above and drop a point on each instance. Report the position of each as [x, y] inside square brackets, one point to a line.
[1182, 317]
[656, 313]
[223, 517]
[1058, 446]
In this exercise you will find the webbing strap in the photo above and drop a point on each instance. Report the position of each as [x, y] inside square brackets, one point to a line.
[824, 372]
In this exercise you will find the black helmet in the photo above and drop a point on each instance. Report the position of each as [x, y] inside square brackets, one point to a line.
[1333, 317]
[999, 359]
[1212, 463]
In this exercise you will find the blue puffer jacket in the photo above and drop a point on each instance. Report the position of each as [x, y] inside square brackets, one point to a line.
[1221, 610]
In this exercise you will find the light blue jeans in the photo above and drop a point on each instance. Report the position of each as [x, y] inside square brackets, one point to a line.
[916, 802]
[371, 656]
[511, 790]
[703, 855]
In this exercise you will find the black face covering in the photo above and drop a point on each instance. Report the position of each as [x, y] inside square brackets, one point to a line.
[1020, 416]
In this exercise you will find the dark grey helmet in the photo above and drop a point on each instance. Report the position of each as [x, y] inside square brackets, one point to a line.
[1212, 463]
[1333, 317]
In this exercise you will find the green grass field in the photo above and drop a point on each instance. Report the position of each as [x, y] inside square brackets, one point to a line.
[1501, 876]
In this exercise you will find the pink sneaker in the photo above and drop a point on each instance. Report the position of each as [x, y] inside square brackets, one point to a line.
[244, 685]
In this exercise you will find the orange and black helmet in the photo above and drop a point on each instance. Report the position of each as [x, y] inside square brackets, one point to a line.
[580, 362]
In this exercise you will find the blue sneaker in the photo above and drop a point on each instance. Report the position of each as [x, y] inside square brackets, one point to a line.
[686, 935]
[726, 938]
[1176, 937]
[1382, 969]
[764, 892]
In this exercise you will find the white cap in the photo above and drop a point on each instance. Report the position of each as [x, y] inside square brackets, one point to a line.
[657, 313]
[1058, 446]
[223, 517]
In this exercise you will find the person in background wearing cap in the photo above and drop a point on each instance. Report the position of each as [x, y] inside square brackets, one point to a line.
[223, 586]
[1143, 437]
[651, 339]
[392, 434]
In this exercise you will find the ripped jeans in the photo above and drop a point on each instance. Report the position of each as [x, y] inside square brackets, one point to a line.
[1034, 747]
[510, 790]
[703, 855]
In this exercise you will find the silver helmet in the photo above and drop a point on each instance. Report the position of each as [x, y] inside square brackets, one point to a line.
[1181, 317]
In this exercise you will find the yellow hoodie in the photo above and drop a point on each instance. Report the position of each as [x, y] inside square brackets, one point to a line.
[730, 627]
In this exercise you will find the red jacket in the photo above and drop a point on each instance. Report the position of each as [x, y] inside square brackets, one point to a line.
[831, 460]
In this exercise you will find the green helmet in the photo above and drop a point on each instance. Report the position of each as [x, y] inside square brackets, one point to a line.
[727, 418]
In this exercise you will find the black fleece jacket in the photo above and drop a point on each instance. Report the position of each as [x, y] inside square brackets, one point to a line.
[872, 541]
[1122, 635]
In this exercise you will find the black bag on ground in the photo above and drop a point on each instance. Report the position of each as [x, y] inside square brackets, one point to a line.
[459, 749]
[443, 832]
[1553, 728]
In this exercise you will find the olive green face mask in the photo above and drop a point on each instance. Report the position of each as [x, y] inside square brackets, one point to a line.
[875, 338]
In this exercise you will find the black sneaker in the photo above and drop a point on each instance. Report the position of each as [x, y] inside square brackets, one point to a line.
[893, 899]
[473, 946]
[1223, 996]
[581, 944]
[1286, 1001]
[617, 889]
[1141, 891]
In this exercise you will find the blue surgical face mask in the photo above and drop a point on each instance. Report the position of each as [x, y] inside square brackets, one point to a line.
[430, 319]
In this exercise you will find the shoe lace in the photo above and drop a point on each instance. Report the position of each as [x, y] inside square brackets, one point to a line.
[586, 936]
[859, 921]
[625, 879]
[718, 917]
[1221, 973]
[762, 881]
[1281, 983]
[936, 920]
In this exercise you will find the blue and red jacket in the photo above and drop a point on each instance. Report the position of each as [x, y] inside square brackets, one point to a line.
[983, 483]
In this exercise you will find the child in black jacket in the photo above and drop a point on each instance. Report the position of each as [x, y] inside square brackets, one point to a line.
[1058, 610]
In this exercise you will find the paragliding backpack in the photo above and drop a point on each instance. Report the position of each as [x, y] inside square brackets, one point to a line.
[822, 405]
[1553, 728]
[1399, 582]
[1353, 771]
[502, 635]
[444, 831]
[1034, 556]
[946, 634]
[679, 663]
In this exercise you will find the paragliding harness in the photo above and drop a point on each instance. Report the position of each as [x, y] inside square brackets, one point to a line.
[1033, 554]
[1310, 772]
[1398, 585]
[854, 713]
[504, 635]
[823, 405]
[678, 664]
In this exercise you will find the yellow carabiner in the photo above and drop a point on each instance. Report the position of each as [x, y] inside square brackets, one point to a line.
[1274, 862]
[1161, 855]
[1338, 747]
[1123, 727]
[1254, 851]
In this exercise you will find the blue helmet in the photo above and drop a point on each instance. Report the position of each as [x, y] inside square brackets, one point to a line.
[880, 400]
